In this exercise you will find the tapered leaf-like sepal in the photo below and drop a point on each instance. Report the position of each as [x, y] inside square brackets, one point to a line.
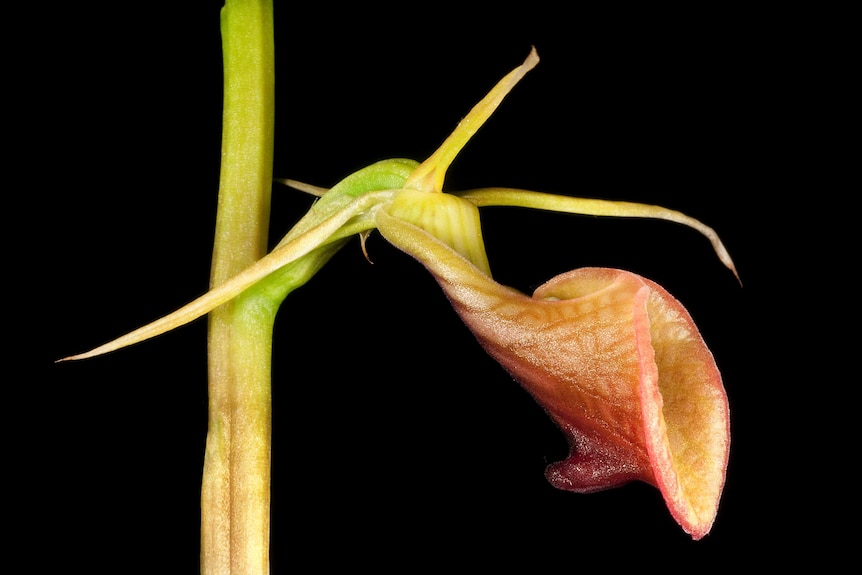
[615, 361]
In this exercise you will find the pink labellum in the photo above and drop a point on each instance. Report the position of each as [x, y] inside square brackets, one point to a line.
[619, 365]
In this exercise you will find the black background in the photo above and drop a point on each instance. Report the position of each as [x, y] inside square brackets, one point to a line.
[397, 443]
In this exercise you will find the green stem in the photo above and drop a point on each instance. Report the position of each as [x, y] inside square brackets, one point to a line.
[235, 495]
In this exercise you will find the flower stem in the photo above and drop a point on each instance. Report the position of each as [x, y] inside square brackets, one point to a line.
[235, 495]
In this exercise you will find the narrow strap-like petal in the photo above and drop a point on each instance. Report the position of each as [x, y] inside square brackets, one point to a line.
[594, 207]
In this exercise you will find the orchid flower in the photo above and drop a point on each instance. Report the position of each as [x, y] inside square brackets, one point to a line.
[615, 361]
[612, 357]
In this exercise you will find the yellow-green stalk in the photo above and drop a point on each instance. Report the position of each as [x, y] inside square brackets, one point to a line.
[235, 497]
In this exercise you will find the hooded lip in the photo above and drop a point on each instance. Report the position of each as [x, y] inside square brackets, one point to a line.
[647, 406]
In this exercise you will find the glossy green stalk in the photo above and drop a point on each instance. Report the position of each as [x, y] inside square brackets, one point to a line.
[235, 495]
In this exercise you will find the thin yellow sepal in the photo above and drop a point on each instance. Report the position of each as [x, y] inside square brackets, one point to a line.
[329, 230]
[593, 207]
[430, 174]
